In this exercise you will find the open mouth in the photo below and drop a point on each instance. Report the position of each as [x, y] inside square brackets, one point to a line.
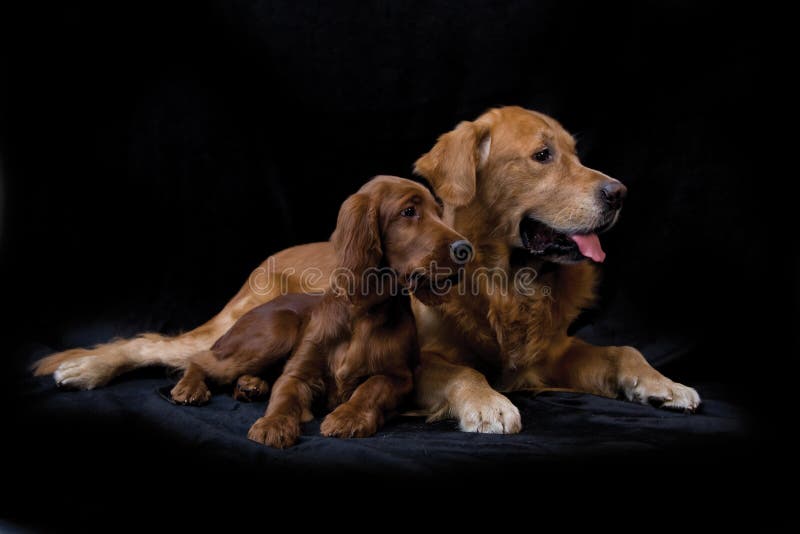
[542, 240]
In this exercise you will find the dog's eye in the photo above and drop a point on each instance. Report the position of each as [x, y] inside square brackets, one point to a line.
[543, 156]
[409, 212]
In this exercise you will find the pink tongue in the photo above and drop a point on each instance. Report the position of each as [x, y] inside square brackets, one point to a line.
[589, 245]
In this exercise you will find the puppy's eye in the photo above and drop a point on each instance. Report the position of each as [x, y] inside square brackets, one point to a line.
[543, 156]
[409, 212]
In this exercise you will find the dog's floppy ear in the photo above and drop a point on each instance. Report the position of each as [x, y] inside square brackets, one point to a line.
[452, 163]
[357, 239]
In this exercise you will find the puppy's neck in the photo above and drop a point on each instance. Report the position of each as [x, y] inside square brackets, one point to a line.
[376, 303]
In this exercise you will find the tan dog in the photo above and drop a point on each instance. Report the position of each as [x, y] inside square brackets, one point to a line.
[511, 183]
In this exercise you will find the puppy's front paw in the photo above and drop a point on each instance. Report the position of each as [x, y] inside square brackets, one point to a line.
[277, 431]
[489, 413]
[659, 390]
[190, 393]
[349, 422]
[250, 388]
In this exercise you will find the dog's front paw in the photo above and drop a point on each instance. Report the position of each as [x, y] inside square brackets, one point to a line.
[489, 412]
[277, 431]
[349, 422]
[250, 388]
[190, 393]
[661, 391]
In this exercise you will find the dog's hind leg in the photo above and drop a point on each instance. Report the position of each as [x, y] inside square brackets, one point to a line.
[250, 388]
[191, 388]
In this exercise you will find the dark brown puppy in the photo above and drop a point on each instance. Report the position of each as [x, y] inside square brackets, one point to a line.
[261, 337]
[356, 341]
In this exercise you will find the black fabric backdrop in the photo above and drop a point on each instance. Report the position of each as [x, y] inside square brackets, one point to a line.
[153, 153]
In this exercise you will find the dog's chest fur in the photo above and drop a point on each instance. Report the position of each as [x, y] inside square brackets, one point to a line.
[378, 342]
[512, 327]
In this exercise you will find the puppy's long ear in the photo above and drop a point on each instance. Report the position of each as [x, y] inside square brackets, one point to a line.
[357, 239]
[451, 164]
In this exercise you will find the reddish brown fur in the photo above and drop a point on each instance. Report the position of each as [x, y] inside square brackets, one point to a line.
[250, 388]
[357, 348]
[261, 337]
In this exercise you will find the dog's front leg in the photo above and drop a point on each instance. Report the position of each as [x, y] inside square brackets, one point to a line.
[447, 390]
[615, 371]
[362, 415]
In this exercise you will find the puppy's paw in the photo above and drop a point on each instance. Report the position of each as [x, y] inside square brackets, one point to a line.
[250, 388]
[349, 422]
[190, 393]
[87, 372]
[277, 431]
[661, 391]
[488, 413]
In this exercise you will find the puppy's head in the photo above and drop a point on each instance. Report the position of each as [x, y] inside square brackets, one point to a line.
[519, 173]
[393, 226]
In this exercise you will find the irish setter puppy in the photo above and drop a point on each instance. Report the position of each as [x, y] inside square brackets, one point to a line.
[357, 341]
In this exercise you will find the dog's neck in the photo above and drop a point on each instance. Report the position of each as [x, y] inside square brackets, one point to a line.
[519, 258]
[369, 303]
[379, 296]
[386, 306]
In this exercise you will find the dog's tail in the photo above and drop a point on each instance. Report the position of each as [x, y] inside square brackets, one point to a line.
[95, 367]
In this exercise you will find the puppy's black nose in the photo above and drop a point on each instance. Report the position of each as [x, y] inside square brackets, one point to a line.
[461, 251]
[613, 193]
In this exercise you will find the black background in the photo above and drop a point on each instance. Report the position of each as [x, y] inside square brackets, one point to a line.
[153, 153]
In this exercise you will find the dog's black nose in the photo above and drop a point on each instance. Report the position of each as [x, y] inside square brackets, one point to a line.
[613, 193]
[461, 251]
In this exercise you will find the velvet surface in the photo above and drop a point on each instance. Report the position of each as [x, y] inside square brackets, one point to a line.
[153, 153]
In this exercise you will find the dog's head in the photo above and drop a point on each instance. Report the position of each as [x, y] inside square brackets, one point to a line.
[517, 176]
[394, 225]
